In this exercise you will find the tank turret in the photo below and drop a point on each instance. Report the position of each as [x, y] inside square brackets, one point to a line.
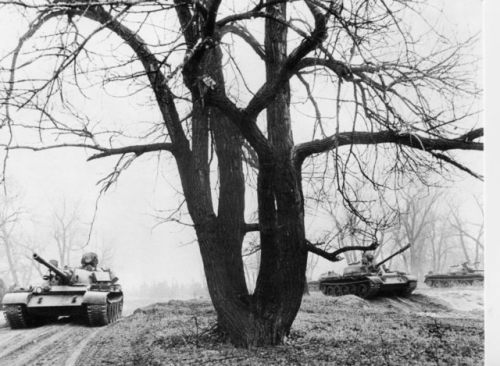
[64, 276]
[368, 279]
[379, 264]
[88, 293]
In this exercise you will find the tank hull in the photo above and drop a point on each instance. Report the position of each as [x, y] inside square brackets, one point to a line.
[28, 308]
[448, 280]
[368, 286]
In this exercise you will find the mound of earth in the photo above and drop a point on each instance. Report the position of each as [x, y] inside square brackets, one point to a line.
[328, 330]
[468, 299]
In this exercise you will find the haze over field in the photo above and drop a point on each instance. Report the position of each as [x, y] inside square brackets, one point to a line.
[142, 250]
[137, 226]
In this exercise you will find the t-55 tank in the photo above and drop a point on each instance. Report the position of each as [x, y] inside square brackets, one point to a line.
[87, 293]
[368, 280]
[457, 275]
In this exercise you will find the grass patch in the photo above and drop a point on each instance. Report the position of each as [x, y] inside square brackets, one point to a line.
[334, 331]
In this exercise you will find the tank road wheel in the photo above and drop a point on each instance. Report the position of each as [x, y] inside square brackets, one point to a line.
[363, 290]
[406, 292]
[17, 316]
[329, 291]
[344, 290]
[324, 289]
[337, 291]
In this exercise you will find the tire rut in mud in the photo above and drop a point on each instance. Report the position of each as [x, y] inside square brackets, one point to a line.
[54, 344]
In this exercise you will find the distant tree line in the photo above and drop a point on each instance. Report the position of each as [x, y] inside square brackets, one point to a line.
[21, 235]
[169, 290]
[437, 227]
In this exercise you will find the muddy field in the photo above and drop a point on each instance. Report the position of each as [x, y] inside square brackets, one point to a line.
[55, 344]
[433, 326]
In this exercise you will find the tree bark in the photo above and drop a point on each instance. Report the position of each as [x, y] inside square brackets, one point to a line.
[265, 317]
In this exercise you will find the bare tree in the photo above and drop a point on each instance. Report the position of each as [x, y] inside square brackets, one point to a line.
[440, 241]
[469, 232]
[10, 214]
[416, 219]
[398, 107]
[16, 246]
[68, 233]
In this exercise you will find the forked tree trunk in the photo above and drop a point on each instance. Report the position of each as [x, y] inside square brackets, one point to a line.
[264, 317]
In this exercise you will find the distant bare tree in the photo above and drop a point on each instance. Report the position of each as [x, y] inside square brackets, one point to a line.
[417, 217]
[68, 232]
[469, 233]
[440, 241]
[16, 246]
[10, 214]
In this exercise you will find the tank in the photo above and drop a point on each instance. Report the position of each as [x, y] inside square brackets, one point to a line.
[91, 295]
[369, 280]
[457, 275]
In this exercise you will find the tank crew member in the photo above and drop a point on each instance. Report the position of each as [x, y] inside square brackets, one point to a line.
[466, 268]
[367, 260]
[89, 261]
[52, 277]
[54, 262]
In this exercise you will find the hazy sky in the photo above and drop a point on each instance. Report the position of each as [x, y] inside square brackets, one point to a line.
[125, 217]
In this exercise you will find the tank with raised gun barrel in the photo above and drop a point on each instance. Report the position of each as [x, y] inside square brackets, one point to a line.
[86, 293]
[457, 275]
[368, 280]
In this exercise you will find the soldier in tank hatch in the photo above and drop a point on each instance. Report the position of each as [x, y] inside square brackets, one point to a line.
[367, 260]
[89, 261]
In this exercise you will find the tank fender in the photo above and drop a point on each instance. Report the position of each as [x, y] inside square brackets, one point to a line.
[410, 277]
[12, 298]
[375, 279]
[95, 297]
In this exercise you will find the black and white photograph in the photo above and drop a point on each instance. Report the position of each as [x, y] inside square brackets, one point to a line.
[263, 182]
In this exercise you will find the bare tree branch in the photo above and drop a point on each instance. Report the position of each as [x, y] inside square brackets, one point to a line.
[334, 256]
[266, 93]
[415, 141]
[135, 149]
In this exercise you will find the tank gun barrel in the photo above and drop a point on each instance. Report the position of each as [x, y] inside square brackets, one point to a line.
[64, 276]
[393, 255]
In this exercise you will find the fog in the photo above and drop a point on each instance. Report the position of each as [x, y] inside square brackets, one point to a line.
[144, 251]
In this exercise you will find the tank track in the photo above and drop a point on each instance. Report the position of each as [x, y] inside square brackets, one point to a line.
[407, 291]
[104, 314]
[16, 316]
[363, 289]
[452, 282]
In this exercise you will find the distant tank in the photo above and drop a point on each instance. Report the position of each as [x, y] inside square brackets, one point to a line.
[368, 280]
[87, 293]
[457, 275]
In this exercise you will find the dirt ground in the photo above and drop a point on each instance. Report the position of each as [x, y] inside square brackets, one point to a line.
[54, 344]
[432, 327]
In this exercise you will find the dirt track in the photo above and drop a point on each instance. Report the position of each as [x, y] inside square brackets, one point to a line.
[61, 343]
[55, 344]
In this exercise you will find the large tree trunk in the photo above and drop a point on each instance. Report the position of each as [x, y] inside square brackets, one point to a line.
[281, 279]
[264, 317]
